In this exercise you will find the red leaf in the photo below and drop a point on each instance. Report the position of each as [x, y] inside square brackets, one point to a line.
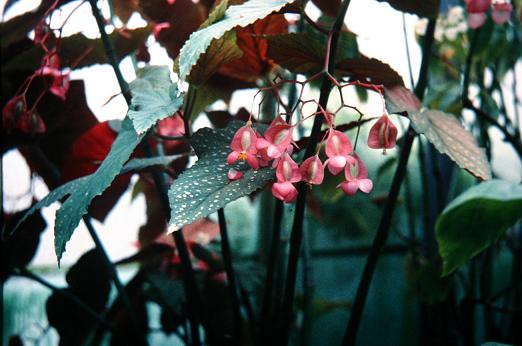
[254, 63]
[184, 17]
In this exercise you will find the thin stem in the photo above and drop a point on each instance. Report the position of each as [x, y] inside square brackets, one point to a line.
[23, 272]
[189, 106]
[231, 276]
[308, 289]
[268, 295]
[109, 50]
[297, 228]
[112, 270]
[350, 336]
[407, 47]
[189, 280]
[515, 142]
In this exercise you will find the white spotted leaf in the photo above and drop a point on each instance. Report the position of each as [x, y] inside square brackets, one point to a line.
[154, 97]
[75, 207]
[235, 16]
[449, 137]
[204, 188]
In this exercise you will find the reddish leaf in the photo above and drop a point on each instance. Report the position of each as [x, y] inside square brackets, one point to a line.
[184, 17]
[221, 119]
[254, 63]
[369, 70]
[124, 9]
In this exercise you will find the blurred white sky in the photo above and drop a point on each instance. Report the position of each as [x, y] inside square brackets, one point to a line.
[385, 42]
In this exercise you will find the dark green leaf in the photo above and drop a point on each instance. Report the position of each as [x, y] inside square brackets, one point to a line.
[475, 220]
[75, 207]
[154, 97]
[204, 188]
[141, 164]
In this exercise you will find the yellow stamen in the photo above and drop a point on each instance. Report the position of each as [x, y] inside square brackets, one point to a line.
[242, 156]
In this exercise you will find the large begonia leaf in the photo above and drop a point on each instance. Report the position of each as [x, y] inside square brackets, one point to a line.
[68, 188]
[204, 188]
[449, 137]
[475, 220]
[235, 16]
[154, 97]
[424, 8]
[75, 207]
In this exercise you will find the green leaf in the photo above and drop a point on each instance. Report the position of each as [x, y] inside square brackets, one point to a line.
[449, 137]
[75, 207]
[235, 16]
[54, 196]
[204, 188]
[475, 220]
[424, 8]
[141, 164]
[154, 97]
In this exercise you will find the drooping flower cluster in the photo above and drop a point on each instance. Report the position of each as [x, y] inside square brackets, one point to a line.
[276, 145]
[500, 11]
[16, 114]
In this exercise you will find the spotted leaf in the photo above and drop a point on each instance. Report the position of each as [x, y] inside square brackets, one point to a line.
[154, 97]
[204, 188]
[447, 134]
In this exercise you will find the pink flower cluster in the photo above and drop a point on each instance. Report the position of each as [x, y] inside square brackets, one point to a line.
[500, 12]
[276, 145]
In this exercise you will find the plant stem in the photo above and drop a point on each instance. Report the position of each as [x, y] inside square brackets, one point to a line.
[109, 50]
[189, 280]
[231, 276]
[268, 294]
[350, 336]
[23, 272]
[112, 270]
[297, 228]
[515, 142]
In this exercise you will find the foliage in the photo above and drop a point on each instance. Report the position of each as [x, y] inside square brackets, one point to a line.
[303, 71]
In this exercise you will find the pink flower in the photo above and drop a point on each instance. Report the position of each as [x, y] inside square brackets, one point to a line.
[356, 176]
[234, 174]
[383, 134]
[501, 12]
[476, 20]
[284, 191]
[476, 12]
[287, 172]
[338, 147]
[243, 146]
[312, 170]
[277, 139]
